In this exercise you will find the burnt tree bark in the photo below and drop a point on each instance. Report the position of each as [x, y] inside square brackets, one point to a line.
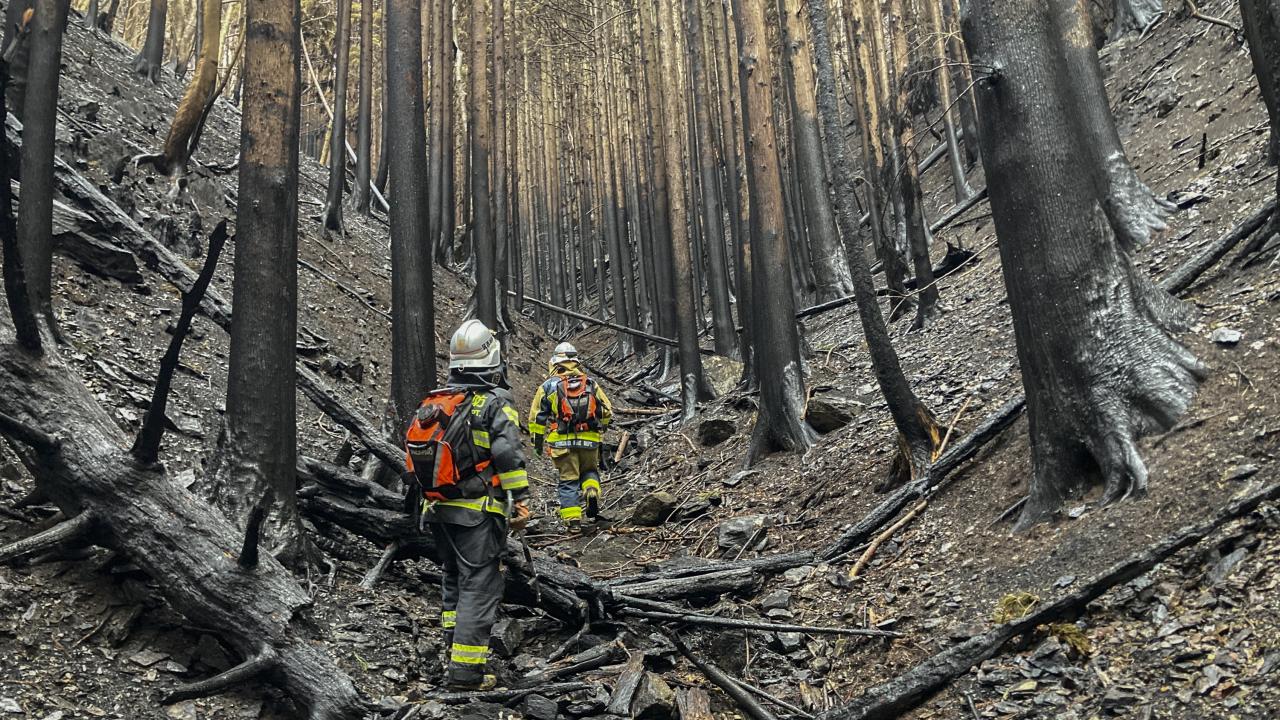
[830, 266]
[413, 344]
[918, 433]
[1098, 363]
[338, 130]
[147, 62]
[480, 120]
[780, 424]
[723, 329]
[364, 111]
[35, 205]
[1260, 20]
[254, 478]
[693, 382]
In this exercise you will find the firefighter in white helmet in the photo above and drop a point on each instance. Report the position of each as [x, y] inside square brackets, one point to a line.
[467, 470]
[567, 419]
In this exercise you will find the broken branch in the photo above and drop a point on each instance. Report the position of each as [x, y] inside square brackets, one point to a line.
[146, 447]
[729, 685]
[883, 537]
[35, 438]
[52, 538]
[247, 671]
[895, 697]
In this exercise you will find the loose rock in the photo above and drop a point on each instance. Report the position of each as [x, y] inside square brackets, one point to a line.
[654, 700]
[737, 533]
[654, 509]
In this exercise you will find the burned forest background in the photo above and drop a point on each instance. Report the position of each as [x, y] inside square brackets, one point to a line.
[940, 338]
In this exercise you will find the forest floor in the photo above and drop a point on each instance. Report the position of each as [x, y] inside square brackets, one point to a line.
[1199, 637]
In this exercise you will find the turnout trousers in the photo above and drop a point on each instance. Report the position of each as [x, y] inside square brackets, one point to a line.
[579, 470]
[472, 589]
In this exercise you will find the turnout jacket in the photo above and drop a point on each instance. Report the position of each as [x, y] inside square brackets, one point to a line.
[544, 412]
[495, 434]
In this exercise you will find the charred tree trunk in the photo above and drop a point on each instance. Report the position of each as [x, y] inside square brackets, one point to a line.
[1261, 23]
[498, 141]
[260, 434]
[185, 547]
[723, 331]
[693, 382]
[180, 142]
[364, 111]
[147, 63]
[656, 170]
[16, 52]
[35, 205]
[413, 351]
[1098, 363]
[944, 78]
[830, 266]
[480, 108]
[962, 79]
[780, 424]
[338, 130]
[440, 85]
[906, 170]
[919, 435]
[1133, 210]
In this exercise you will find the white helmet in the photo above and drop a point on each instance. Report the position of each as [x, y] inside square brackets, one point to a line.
[474, 347]
[564, 351]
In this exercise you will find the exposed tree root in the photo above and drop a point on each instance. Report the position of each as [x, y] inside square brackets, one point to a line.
[897, 696]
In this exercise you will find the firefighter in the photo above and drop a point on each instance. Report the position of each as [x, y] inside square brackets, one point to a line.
[469, 433]
[568, 417]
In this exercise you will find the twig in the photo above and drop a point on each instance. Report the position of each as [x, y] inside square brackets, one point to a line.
[388, 556]
[345, 288]
[959, 413]
[1009, 511]
[1194, 13]
[884, 536]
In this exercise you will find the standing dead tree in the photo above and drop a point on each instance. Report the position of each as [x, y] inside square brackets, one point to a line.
[35, 205]
[780, 424]
[338, 129]
[1093, 333]
[147, 62]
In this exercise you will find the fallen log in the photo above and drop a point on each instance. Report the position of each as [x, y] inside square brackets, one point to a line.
[188, 548]
[735, 623]
[899, 695]
[1182, 278]
[594, 320]
[736, 579]
[506, 696]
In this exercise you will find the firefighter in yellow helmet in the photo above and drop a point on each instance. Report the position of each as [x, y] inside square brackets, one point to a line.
[567, 420]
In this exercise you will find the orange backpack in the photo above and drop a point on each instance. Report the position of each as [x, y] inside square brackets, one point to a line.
[578, 411]
[439, 449]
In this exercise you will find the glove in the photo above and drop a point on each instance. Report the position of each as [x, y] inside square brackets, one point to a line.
[520, 518]
[537, 444]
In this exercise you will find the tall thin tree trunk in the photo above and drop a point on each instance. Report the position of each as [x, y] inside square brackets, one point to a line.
[261, 420]
[480, 110]
[693, 384]
[944, 77]
[448, 150]
[338, 130]
[780, 423]
[35, 205]
[830, 266]
[1261, 22]
[364, 111]
[723, 331]
[918, 433]
[413, 346]
[907, 174]
[501, 225]
[147, 63]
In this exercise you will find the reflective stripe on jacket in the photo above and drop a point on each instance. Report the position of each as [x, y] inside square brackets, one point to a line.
[495, 432]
